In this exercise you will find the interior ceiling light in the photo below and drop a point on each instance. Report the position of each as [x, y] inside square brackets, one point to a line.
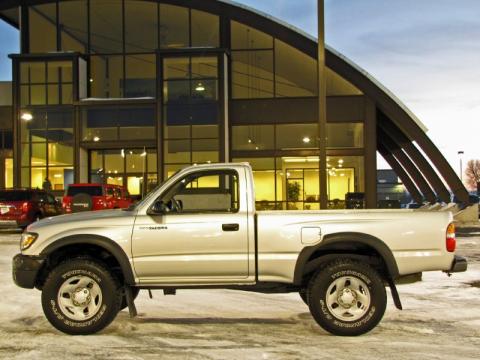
[144, 153]
[96, 139]
[26, 116]
[306, 140]
[200, 87]
[340, 161]
[122, 152]
[250, 141]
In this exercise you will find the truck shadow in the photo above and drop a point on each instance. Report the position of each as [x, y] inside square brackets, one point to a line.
[213, 320]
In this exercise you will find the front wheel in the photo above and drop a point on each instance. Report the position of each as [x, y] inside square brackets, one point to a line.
[81, 297]
[347, 298]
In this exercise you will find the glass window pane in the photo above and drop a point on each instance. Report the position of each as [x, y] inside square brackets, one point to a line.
[25, 181]
[38, 177]
[99, 125]
[53, 96]
[205, 29]
[174, 26]
[176, 68]
[106, 31]
[39, 155]
[60, 71]
[204, 90]
[136, 123]
[25, 154]
[140, 76]
[114, 162]
[205, 151]
[67, 94]
[345, 135]
[177, 132]
[338, 86]
[295, 72]
[264, 178]
[177, 151]
[141, 15]
[245, 37]
[204, 67]
[74, 25]
[152, 161]
[345, 175]
[176, 91]
[8, 173]
[60, 177]
[43, 33]
[34, 129]
[33, 72]
[205, 131]
[297, 136]
[106, 76]
[253, 137]
[38, 95]
[252, 74]
[25, 95]
[136, 163]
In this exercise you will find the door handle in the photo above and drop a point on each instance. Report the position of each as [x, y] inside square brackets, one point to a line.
[230, 227]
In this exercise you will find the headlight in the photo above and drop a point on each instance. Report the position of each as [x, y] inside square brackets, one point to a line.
[27, 240]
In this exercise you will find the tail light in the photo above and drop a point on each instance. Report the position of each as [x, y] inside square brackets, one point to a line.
[451, 242]
[26, 207]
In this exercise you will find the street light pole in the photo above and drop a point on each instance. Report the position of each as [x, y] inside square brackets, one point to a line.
[460, 154]
[322, 106]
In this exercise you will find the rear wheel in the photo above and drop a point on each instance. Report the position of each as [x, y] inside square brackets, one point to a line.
[347, 297]
[81, 297]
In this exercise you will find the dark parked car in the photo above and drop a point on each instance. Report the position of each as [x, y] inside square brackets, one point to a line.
[21, 207]
[91, 197]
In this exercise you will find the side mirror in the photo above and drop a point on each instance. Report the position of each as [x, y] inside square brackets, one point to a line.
[159, 208]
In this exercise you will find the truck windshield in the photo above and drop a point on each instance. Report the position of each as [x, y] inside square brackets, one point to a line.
[90, 190]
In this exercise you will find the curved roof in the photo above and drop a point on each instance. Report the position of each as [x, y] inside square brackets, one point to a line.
[394, 117]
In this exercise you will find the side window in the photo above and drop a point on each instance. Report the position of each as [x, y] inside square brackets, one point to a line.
[204, 192]
[117, 193]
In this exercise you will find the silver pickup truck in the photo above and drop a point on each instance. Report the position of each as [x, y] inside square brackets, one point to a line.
[200, 230]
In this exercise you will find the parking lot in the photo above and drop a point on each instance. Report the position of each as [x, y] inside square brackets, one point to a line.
[440, 320]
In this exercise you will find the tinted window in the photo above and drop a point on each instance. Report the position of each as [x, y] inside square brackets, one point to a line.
[15, 195]
[90, 190]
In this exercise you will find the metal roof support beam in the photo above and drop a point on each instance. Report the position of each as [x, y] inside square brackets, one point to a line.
[407, 164]
[402, 174]
[416, 156]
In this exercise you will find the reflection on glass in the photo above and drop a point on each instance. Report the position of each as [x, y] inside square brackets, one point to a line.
[245, 37]
[345, 135]
[252, 74]
[253, 137]
[174, 26]
[205, 29]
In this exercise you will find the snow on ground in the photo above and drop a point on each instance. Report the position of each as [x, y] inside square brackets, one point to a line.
[440, 320]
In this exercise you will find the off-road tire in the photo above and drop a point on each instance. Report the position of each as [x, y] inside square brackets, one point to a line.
[83, 268]
[321, 305]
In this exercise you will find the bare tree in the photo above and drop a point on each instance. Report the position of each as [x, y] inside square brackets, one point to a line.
[472, 173]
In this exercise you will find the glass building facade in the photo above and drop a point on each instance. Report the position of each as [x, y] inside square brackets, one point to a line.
[128, 92]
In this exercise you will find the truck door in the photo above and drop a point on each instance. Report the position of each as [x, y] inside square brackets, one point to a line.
[196, 232]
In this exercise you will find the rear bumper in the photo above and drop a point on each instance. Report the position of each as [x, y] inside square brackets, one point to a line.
[459, 264]
[25, 270]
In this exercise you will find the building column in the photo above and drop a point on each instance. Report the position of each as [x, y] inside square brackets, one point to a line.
[322, 106]
[370, 158]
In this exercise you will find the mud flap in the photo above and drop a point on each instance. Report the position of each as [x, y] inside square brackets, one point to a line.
[130, 302]
[395, 295]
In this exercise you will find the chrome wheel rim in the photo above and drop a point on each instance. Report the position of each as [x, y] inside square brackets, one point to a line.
[80, 298]
[348, 298]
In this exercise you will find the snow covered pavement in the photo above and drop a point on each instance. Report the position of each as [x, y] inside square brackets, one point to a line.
[440, 320]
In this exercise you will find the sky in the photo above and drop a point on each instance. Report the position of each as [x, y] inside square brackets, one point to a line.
[427, 52]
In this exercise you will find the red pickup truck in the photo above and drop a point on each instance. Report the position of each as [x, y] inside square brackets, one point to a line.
[91, 197]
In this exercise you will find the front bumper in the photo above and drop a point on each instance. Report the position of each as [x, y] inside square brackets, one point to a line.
[25, 270]
[459, 264]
